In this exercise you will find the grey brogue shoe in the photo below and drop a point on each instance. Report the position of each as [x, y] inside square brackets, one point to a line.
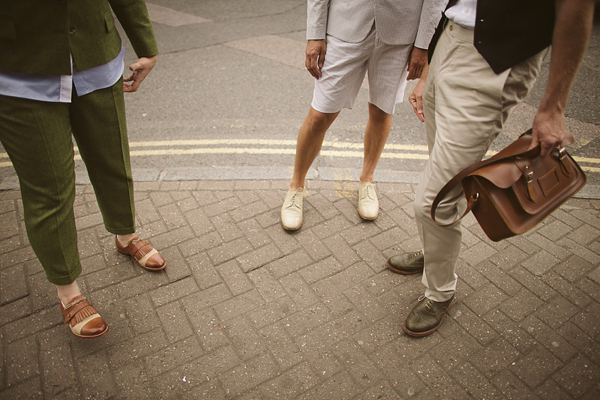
[407, 263]
[426, 317]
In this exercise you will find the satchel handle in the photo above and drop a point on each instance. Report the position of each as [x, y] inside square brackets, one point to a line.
[508, 152]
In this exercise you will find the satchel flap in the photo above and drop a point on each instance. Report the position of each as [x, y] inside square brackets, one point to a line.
[502, 174]
[549, 181]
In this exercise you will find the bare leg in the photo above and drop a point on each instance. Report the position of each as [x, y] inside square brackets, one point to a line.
[310, 139]
[376, 134]
[125, 239]
[66, 293]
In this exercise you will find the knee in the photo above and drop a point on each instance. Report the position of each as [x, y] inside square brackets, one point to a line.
[422, 209]
[423, 205]
[319, 120]
[378, 116]
[446, 212]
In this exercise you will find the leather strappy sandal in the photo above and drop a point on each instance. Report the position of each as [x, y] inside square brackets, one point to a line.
[83, 319]
[146, 255]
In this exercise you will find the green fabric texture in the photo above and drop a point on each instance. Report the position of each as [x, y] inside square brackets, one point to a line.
[37, 138]
[37, 36]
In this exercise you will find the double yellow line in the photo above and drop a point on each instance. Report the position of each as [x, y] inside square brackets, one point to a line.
[281, 147]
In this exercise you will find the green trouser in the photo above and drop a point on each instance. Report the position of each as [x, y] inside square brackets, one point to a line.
[37, 137]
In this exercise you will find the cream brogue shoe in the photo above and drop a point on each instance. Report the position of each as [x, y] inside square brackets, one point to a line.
[368, 205]
[291, 211]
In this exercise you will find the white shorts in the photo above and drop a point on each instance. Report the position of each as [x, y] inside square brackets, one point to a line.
[344, 71]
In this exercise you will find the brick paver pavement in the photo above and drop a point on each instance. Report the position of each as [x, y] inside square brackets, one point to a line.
[248, 311]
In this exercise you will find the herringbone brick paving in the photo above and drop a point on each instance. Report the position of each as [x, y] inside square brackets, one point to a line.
[248, 311]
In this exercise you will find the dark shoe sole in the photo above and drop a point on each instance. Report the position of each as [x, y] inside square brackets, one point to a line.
[397, 271]
[429, 332]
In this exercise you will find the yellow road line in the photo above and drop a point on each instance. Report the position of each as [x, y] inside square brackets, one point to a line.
[265, 142]
[587, 160]
[590, 169]
[192, 148]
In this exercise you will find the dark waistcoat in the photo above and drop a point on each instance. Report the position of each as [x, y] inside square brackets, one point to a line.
[508, 32]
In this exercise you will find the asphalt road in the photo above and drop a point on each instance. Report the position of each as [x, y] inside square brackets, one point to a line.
[230, 91]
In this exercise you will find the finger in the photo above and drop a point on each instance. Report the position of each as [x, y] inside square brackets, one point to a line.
[418, 72]
[546, 149]
[312, 72]
[420, 111]
[534, 143]
[417, 107]
[308, 63]
[414, 71]
[321, 61]
[411, 74]
[569, 139]
[135, 66]
[319, 67]
[127, 88]
[135, 85]
[313, 67]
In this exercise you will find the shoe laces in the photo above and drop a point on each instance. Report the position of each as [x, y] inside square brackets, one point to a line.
[367, 192]
[414, 255]
[428, 303]
[294, 200]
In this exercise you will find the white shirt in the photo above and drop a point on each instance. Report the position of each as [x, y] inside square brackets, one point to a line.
[463, 13]
[59, 88]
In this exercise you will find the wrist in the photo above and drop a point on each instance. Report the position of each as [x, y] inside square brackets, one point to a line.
[551, 106]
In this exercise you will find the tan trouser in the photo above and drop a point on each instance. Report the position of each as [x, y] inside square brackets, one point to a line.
[466, 104]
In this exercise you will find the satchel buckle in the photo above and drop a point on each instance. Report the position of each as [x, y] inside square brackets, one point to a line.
[562, 152]
[528, 174]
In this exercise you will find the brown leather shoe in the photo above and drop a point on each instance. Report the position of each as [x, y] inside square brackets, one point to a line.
[146, 255]
[426, 317]
[83, 319]
[407, 263]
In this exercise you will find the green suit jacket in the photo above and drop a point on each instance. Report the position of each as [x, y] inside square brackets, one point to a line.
[37, 36]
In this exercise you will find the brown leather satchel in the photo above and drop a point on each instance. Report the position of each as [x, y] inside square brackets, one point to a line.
[515, 189]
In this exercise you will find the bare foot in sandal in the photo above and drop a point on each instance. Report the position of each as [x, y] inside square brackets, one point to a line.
[146, 255]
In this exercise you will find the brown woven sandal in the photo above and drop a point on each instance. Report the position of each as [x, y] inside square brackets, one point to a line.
[83, 319]
[146, 255]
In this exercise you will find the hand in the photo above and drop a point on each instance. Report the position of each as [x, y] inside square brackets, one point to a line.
[416, 97]
[416, 100]
[418, 59]
[549, 131]
[141, 68]
[315, 57]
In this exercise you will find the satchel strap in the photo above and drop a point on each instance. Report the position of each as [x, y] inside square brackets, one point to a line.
[509, 152]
